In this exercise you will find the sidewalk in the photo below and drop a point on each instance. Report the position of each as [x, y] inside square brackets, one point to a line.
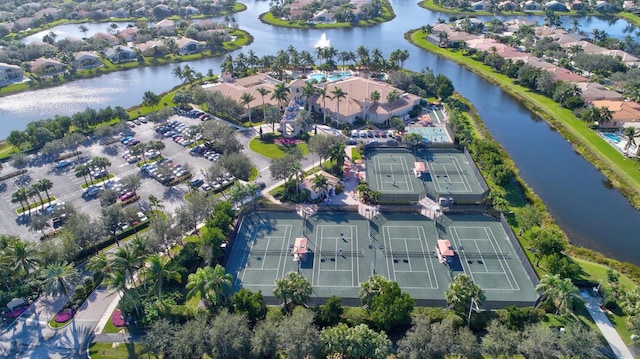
[620, 350]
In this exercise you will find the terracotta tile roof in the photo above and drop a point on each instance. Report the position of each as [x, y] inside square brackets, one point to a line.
[622, 111]
[593, 91]
[562, 74]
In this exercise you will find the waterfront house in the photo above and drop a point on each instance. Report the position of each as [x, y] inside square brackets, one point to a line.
[188, 46]
[47, 66]
[623, 111]
[562, 74]
[481, 5]
[554, 5]
[108, 38]
[128, 34]
[10, 73]
[166, 27]
[86, 60]
[531, 5]
[593, 91]
[604, 6]
[323, 16]
[120, 54]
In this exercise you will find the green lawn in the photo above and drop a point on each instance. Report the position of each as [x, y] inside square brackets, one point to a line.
[37, 204]
[273, 150]
[119, 351]
[254, 174]
[623, 172]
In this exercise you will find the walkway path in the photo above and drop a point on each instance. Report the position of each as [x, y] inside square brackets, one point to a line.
[620, 350]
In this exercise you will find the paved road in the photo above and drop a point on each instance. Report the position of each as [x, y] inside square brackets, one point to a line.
[620, 350]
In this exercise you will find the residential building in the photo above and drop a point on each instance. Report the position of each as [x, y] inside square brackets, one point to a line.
[10, 73]
[120, 54]
[188, 46]
[47, 66]
[86, 60]
[316, 193]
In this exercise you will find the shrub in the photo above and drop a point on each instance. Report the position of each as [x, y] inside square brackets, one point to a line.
[64, 315]
[117, 319]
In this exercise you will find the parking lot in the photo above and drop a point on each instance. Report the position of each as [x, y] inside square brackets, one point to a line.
[67, 187]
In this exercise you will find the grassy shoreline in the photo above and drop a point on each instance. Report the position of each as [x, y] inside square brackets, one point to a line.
[621, 171]
[432, 6]
[387, 15]
[243, 38]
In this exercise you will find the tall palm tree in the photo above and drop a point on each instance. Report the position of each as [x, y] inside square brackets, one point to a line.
[320, 182]
[84, 171]
[157, 271]
[560, 292]
[280, 93]
[99, 265]
[125, 261]
[44, 184]
[336, 154]
[20, 195]
[308, 91]
[263, 92]
[6, 269]
[102, 163]
[118, 282]
[631, 133]
[246, 99]
[211, 283]
[338, 94]
[59, 279]
[34, 191]
[322, 92]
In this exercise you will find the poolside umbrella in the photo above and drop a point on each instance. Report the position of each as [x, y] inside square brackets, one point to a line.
[358, 161]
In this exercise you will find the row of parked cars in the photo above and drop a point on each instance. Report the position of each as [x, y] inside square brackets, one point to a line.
[137, 122]
[179, 132]
[372, 133]
[204, 151]
[194, 113]
[165, 171]
[216, 185]
[129, 141]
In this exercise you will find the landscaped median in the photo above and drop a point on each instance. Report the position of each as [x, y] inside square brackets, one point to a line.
[621, 171]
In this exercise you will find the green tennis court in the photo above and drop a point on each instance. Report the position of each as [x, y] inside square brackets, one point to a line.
[344, 250]
[390, 171]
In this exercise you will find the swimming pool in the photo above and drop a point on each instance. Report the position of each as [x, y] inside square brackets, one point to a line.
[335, 76]
[612, 137]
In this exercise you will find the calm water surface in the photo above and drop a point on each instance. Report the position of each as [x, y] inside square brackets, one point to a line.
[592, 215]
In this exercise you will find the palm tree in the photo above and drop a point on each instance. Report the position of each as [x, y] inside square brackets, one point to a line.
[117, 281]
[157, 271]
[308, 91]
[374, 96]
[84, 171]
[631, 133]
[336, 154]
[280, 93]
[263, 92]
[6, 269]
[320, 182]
[44, 184]
[337, 95]
[126, 261]
[155, 203]
[393, 96]
[443, 39]
[102, 163]
[99, 265]
[59, 278]
[20, 195]
[177, 72]
[84, 30]
[157, 146]
[322, 92]
[246, 99]
[559, 292]
[34, 191]
[211, 283]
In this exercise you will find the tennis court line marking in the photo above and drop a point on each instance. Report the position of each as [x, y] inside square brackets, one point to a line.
[503, 262]
[320, 240]
[459, 172]
[489, 233]
[282, 248]
[465, 180]
[433, 270]
[422, 240]
[404, 171]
